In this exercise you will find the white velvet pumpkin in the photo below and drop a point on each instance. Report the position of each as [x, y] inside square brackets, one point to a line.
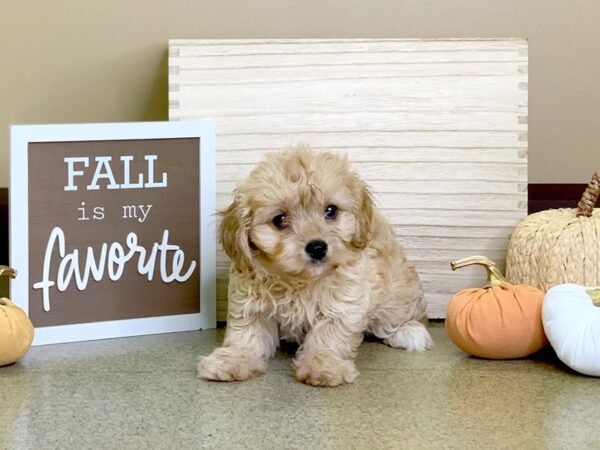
[571, 318]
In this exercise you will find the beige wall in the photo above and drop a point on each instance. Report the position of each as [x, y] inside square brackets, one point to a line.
[82, 61]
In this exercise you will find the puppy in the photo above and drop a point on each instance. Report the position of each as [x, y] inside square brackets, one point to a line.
[313, 262]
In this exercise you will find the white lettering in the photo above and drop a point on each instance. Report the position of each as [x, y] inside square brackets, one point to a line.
[99, 213]
[126, 175]
[82, 209]
[72, 173]
[130, 212]
[103, 161]
[151, 183]
[103, 171]
[56, 235]
[113, 257]
[145, 213]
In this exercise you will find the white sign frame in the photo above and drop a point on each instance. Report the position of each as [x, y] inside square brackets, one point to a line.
[22, 135]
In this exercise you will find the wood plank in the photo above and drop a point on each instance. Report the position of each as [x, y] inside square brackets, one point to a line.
[367, 121]
[402, 187]
[314, 96]
[424, 171]
[392, 200]
[193, 75]
[219, 47]
[382, 154]
[275, 140]
[189, 56]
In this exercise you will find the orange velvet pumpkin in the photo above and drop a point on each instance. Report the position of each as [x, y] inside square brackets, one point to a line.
[499, 321]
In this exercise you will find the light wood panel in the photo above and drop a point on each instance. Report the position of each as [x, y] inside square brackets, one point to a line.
[438, 128]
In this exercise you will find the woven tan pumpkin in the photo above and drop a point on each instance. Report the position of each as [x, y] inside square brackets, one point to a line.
[558, 246]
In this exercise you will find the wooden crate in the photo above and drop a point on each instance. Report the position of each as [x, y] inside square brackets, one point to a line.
[438, 128]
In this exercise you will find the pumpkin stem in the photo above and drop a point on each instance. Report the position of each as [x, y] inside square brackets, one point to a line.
[589, 197]
[595, 294]
[7, 272]
[495, 277]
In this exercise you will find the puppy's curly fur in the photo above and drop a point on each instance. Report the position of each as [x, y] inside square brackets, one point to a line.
[323, 299]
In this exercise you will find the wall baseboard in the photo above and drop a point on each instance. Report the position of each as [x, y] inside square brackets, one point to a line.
[549, 196]
[541, 197]
[3, 226]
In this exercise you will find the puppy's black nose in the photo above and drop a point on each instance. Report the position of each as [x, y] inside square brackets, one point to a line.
[316, 249]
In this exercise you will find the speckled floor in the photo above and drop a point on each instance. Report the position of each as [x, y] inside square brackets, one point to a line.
[142, 393]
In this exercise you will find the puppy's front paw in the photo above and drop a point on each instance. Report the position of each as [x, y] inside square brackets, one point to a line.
[324, 370]
[412, 336]
[230, 364]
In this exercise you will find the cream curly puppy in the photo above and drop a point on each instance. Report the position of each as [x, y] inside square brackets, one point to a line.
[314, 262]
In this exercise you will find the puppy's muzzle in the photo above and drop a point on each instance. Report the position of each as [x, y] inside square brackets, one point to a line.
[316, 249]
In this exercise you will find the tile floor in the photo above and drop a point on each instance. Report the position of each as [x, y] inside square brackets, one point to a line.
[141, 392]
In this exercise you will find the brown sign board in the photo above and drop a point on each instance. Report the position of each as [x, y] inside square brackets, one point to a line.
[115, 226]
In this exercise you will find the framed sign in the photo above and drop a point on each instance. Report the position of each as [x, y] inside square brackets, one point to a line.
[112, 228]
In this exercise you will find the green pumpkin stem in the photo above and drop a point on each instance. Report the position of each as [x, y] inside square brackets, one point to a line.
[595, 294]
[7, 272]
[495, 277]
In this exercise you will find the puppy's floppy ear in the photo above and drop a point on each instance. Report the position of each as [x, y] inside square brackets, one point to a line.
[364, 216]
[233, 233]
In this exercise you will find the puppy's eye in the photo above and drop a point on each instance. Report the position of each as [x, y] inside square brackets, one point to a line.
[280, 221]
[331, 212]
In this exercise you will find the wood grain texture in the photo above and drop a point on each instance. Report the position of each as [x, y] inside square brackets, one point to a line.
[438, 128]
